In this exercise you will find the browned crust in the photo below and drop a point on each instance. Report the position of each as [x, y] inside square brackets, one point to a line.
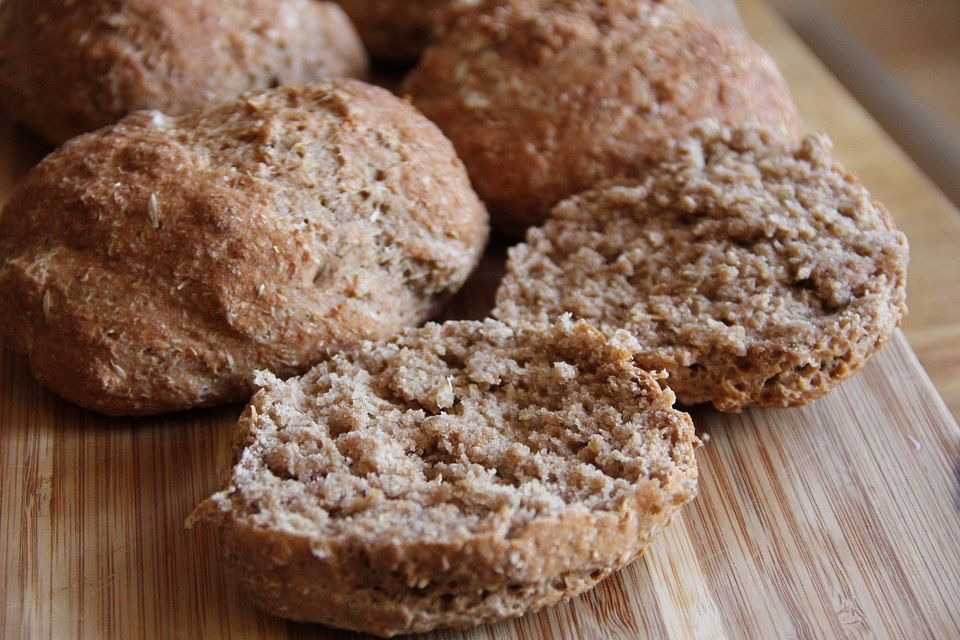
[156, 264]
[369, 590]
[544, 98]
[69, 67]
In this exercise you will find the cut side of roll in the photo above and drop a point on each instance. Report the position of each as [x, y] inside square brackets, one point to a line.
[454, 475]
[756, 272]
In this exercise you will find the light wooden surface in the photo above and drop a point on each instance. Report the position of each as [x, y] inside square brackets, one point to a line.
[837, 520]
[919, 40]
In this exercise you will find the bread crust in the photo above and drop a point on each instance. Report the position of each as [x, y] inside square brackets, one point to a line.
[756, 272]
[70, 67]
[544, 98]
[462, 574]
[282, 575]
[155, 264]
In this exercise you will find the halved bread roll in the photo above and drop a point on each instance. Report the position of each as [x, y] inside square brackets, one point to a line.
[454, 475]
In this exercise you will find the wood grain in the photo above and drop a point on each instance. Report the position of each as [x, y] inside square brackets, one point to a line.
[839, 519]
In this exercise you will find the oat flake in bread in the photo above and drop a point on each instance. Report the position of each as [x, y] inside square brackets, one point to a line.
[396, 31]
[155, 264]
[67, 67]
[543, 98]
[755, 272]
[454, 475]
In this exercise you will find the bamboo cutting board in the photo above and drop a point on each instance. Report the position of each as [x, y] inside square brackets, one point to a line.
[837, 520]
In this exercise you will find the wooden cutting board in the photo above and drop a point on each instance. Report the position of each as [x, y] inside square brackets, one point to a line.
[837, 520]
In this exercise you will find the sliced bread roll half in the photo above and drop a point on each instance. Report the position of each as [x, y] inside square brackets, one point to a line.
[755, 271]
[455, 475]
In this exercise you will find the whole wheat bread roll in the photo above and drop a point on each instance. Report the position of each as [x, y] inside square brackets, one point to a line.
[756, 272]
[155, 264]
[454, 475]
[543, 98]
[71, 66]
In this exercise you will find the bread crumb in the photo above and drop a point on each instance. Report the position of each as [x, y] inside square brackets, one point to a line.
[565, 370]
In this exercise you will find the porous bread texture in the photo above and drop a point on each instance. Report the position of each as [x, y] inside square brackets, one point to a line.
[154, 265]
[453, 475]
[757, 273]
[396, 31]
[544, 98]
[68, 67]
